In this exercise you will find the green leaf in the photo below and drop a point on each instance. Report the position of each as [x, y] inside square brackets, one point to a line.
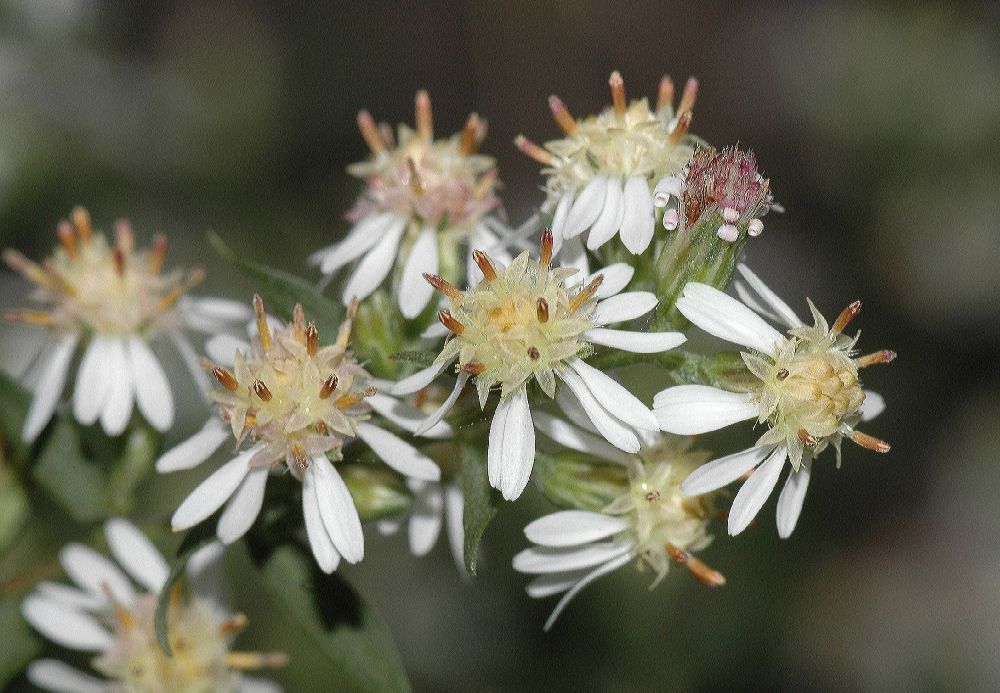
[423, 359]
[14, 402]
[77, 484]
[19, 644]
[14, 507]
[281, 291]
[358, 653]
[198, 537]
[481, 502]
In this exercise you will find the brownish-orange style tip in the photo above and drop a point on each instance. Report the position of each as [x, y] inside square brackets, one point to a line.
[586, 293]
[470, 134]
[67, 238]
[444, 286]
[542, 310]
[370, 132]
[312, 339]
[158, 255]
[807, 440]
[329, 385]
[124, 236]
[545, 257]
[564, 119]
[665, 93]
[474, 369]
[424, 118]
[533, 150]
[120, 262]
[870, 442]
[683, 125]
[704, 574]
[617, 85]
[81, 222]
[845, 317]
[688, 96]
[453, 325]
[485, 265]
[233, 625]
[262, 327]
[878, 357]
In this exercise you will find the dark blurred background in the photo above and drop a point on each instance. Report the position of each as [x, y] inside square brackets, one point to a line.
[879, 128]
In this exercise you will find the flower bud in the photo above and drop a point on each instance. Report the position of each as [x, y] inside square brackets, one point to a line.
[570, 482]
[377, 492]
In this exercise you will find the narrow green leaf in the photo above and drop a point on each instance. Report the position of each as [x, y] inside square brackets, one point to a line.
[281, 290]
[20, 646]
[77, 484]
[14, 402]
[194, 540]
[481, 502]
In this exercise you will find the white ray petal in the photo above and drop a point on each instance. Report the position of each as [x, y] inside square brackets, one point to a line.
[359, 240]
[454, 508]
[406, 417]
[586, 207]
[546, 559]
[118, 407]
[751, 302]
[791, 498]
[195, 449]
[255, 684]
[559, 219]
[64, 625]
[693, 409]
[613, 430]
[425, 520]
[726, 318]
[574, 411]
[639, 218]
[414, 292]
[192, 364]
[609, 220]
[71, 597]
[96, 573]
[586, 580]
[398, 454]
[50, 386]
[222, 349]
[573, 527]
[59, 677]
[434, 420]
[873, 405]
[337, 510]
[436, 330]
[90, 391]
[217, 310]
[755, 491]
[627, 306]
[570, 436]
[243, 507]
[152, 391]
[614, 397]
[136, 554]
[419, 380]
[616, 278]
[784, 311]
[210, 494]
[553, 583]
[725, 470]
[511, 450]
[374, 267]
[319, 539]
[636, 342]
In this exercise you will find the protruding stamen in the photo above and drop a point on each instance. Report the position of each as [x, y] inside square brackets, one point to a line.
[416, 184]
[562, 116]
[845, 317]
[448, 320]
[120, 262]
[533, 150]
[697, 568]
[425, 121]
[807, 440]
[299, 323]
[253, 661]
[233, 625]
[349, 400]
[32, 317]
[67, 238]
[225, 378]
[869, 442]
[485, 184]
[385, 130]
[585, 293]
[444, 286]
[470, 134]
[533, 353]
[312, 339]
[124, 236]
[370, 133]
[261, 390]
[688, 96]
[28, 269]
[542, 309]
[617, 85]
[545, 258]
[665, 94]
[81, 222]
[158, 255]
[474, 369]
[884, 356]
[329, 385]
[485, 265]
[683, 125]
[262, 327]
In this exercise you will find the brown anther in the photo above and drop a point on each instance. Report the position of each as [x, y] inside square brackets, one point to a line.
[67, 238]
[312, 339]
[617, 85]
[81, 222]
[665, 94]
[845, 317]
[533, 353]
[263, 330]
[586, 293]
[370, 133]
[260, 389]
[688, 96]
[485, 264]
[329, 385]
[474, 369]
[807, 440]
[233, 625]
[533, 150]
[781, 374]
[225, 378]
[158, 255]
[425, 121]
[416, 184]
[653, 496]
[562, 116]
[449, 321]
[869, 442]
[120, 262]
[683, 125]
[884, 356]
[545, 258]
[542, 309]
[444, 286]
[470, 134]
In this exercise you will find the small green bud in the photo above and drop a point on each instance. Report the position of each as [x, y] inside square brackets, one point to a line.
[571, 482]
[377, 492]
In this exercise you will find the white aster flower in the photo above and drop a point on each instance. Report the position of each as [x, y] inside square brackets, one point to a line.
[601, 175]
[651, 524]
[109, 612]
[116, 300]
[808, 393]
[423, 198]
[524, 322]
[291, 404]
